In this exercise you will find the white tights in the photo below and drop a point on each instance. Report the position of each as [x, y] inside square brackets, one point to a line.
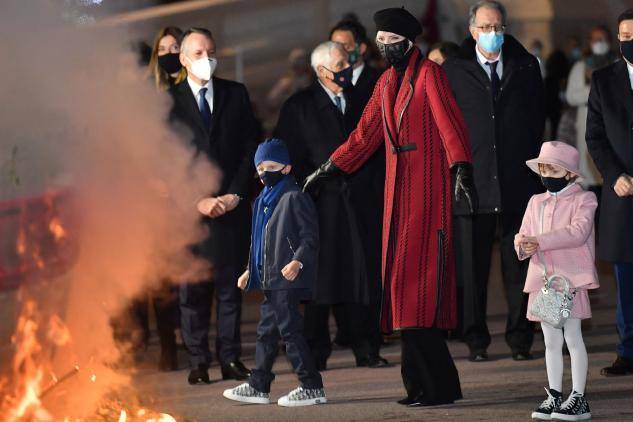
[554, 354]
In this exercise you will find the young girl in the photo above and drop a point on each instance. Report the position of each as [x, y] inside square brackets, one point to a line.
[558, 227]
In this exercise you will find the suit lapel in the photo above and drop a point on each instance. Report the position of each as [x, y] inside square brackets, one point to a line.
[623, 84]
[468, 60]
[219, 102]
[327, 111]
[509, 66]
[190, 105]
[348, 116]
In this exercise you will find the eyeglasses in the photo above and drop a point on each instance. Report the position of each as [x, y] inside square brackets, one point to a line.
[489, 28]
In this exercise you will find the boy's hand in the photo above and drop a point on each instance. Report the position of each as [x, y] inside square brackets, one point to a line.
[291, 271]
[243, 280]
[211, 207]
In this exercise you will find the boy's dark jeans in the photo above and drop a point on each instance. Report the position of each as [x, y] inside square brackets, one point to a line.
[280, 318]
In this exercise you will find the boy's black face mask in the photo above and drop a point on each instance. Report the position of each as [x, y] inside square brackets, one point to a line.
[271, 178]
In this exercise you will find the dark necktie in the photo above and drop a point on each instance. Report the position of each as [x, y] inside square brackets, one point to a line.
[495, 82]
[339, 103]
[203, 106]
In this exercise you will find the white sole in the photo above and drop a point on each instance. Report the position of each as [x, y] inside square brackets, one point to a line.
[249, 400]
[541, 416]
[295, 403]
[560, 417]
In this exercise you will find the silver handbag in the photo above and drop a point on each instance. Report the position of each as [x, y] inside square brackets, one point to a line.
[554, 301]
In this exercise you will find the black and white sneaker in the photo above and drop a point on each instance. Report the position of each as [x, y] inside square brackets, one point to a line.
[246, 394]
[303, 397]
[575, 408]
[549, 405]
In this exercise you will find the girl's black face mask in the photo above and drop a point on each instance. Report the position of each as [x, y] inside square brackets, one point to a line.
[554, 184]
[271, 178]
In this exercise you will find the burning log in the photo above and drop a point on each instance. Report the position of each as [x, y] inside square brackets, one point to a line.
[58, 381]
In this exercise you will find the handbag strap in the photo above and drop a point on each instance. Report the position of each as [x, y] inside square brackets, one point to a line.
[541, 257]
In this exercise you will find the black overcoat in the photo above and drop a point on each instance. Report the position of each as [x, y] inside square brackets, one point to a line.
[313, 128]
[229, 143]
[368, 188]
[505, 133]
[609, 138]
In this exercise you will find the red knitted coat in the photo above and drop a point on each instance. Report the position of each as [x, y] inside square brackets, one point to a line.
[425, 135]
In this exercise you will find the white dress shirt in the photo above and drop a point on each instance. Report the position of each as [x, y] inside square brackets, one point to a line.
[630, 67]
[356, 73]
[195, 89]
[483, 60]
[333, 95]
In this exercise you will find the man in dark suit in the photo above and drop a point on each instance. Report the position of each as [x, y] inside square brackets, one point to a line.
[610, 142]
[498, 87]
[314, 122]
[366, 194]
[219, 114]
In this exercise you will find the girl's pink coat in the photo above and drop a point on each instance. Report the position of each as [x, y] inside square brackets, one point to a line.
[568, 240]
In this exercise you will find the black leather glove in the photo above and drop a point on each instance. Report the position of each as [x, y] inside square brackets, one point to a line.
[326, 170]
[465, 185]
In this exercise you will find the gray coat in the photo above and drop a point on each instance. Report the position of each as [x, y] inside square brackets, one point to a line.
[292, 233]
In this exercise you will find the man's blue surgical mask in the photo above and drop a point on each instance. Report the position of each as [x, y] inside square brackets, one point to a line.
[491, 42]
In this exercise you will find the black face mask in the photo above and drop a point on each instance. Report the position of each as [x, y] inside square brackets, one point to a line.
[343, 78]
[271, 178]
[170, 63]
[394, 53]
[626, 48]
[554, 184]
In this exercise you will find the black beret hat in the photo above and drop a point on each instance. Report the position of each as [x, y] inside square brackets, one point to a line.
[399, 21]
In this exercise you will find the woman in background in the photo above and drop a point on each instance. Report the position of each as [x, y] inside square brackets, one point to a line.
[164, 64]
[165, 69]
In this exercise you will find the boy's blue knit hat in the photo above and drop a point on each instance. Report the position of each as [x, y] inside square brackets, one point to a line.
[272, 150]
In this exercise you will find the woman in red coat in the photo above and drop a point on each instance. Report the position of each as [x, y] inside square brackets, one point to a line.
[413, 111]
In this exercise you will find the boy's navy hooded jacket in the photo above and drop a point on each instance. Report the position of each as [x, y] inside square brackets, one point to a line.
[292, 233]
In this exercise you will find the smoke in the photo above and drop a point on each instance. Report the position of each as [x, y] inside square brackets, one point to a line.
[79, 114]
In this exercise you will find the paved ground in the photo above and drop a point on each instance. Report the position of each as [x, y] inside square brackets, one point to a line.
[498, 390]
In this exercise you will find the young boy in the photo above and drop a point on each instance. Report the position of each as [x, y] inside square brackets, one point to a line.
[283, 256]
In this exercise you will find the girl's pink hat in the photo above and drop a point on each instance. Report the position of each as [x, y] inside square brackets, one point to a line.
[560, 154]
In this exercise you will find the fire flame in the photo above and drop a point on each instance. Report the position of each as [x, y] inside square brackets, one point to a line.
[44, 242]
[56, 229]
[24, 393]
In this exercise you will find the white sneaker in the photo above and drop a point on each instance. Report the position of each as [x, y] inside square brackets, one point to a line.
[303, 397]
[246, 394]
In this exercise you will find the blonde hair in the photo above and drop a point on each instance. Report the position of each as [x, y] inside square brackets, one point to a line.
[572, 176]
[161, 78]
